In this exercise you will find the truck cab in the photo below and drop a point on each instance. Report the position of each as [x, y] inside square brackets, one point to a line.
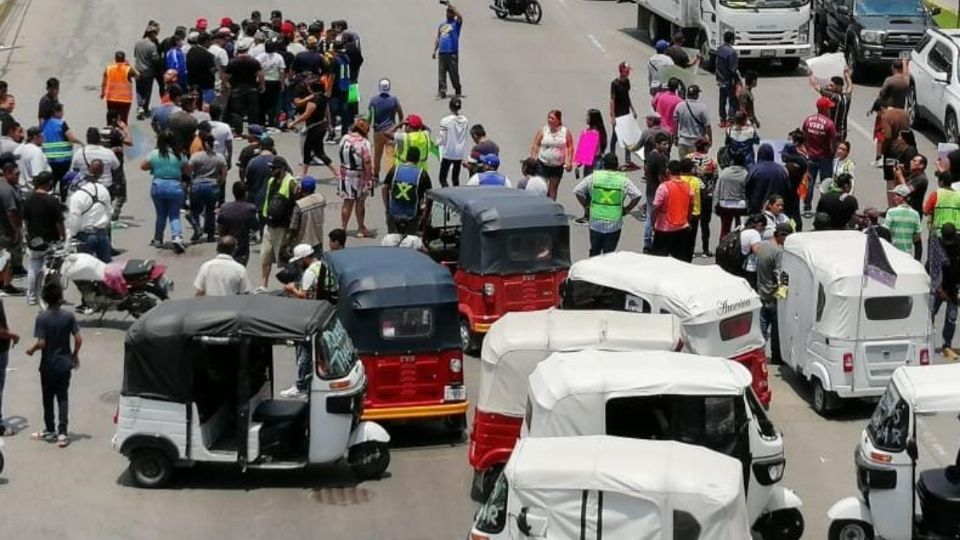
[872, 33]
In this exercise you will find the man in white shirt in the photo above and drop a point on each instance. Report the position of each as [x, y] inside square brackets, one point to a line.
[93, 151]
[453, 142]
[220, 56]
[88, 213]
[488, 175]
[532, 182]
[656, 64]
[221, 275]
[305, 256]
[32, 160]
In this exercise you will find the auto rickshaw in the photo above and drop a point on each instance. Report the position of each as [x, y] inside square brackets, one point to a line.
[511, 351]
[614, 487]
[400, 309]
[198, 387]
[913, 430]
[508, 250]
[719, 312]
[659, 395]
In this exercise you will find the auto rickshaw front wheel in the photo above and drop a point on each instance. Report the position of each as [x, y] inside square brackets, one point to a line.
[785, 524]
[469, 340]
[150, 468]
[847, 529]
[369, 460]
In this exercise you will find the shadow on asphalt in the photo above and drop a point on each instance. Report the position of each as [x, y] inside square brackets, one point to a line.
[109, 323]
[852, 410]
[418, 435]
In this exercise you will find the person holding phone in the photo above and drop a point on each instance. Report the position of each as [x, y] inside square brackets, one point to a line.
[446, 50]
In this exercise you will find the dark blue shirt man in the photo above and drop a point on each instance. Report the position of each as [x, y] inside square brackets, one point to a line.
[726, 69]
[447, 46]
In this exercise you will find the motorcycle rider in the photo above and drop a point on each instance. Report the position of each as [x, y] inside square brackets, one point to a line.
[89, 208]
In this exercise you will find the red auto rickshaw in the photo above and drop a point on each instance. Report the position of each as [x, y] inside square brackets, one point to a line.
[508, 250]
[400, 310]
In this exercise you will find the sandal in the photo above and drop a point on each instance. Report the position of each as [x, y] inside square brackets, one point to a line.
[63, 441]
[46, 436]
[364, 234]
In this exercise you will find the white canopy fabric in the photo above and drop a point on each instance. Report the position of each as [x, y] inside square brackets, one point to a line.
[518, 341]
[930, 389]
[694, 293]
[836, 259]
[659, 476]
[568, 391]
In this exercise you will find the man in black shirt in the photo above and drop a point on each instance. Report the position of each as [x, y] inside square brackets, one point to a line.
[621, 105]
[839, 90]
[43, 217]
[310, 61]
[48, 100]
[242, 81]
[202, 68]
[915, 179]
[655, 171]
[841, 206]
[238, 218]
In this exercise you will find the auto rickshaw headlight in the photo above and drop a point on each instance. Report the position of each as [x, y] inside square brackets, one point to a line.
[456, 365]
[489, 289]
[769, 472]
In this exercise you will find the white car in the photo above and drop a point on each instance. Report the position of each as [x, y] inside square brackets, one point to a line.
[935, 81]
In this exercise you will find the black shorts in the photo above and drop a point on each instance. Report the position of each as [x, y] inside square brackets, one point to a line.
[889, 165]
[551, 171]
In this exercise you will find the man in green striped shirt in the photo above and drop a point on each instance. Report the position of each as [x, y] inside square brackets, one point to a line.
[903, 222]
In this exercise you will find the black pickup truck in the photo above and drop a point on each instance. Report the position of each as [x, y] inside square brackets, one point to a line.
[872, 33]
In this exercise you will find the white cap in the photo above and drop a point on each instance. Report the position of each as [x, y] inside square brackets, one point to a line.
[384, 85]
[244, 43]
[301, 251]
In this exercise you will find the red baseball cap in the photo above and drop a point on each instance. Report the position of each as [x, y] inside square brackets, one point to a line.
[226, 21]
[825, 103]
[201, 24]
[287, 28]
[415, 121]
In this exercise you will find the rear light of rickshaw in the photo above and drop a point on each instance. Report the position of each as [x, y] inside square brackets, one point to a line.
[456, 370]
[476, 536]
[489, 289]
[848, 362]
[924, 356]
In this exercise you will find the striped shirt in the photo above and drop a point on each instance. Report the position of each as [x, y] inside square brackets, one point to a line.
[904, 223]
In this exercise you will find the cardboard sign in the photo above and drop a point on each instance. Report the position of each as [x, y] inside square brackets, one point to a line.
[826, 66]
[587, 147]
[628, 131]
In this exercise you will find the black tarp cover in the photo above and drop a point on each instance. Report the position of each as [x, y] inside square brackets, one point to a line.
[159, 350]
[493, 217]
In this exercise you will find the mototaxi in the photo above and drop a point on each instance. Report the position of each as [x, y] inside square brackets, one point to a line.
[511, 351]
[909, 453]
[605, 487]
[719, 312]
[198, 387]
[659, 395]
[508, 250]
[400, 309]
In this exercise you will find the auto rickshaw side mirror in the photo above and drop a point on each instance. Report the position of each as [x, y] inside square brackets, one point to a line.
[912, 448]
[531, 523]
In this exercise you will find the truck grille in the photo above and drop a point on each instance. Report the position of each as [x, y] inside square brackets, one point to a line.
[902, 40]
[772, 37]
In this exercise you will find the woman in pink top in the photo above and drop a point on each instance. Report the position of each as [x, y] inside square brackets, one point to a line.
[665, 103]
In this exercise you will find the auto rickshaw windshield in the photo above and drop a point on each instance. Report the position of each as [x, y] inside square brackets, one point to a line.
[336, 354]
[890, 424]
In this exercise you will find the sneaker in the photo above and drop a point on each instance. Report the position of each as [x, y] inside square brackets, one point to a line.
[949, 354]
[581, 219]
[197, 234]
[178, 245]
[156, 243]
[85, 310]
[11, 290]
[31, 301]
[63, 440]
[706, 254]
[259, 290]
[292, 392]
[878, 163]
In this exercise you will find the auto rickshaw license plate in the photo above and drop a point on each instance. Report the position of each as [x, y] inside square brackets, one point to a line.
[454, 393]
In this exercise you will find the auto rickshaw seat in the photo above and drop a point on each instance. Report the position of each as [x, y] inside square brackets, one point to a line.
[279, 410]
[940, 501]
[135, 268]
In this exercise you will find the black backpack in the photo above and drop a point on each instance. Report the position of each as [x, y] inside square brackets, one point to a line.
[280, 208]
[729, 256]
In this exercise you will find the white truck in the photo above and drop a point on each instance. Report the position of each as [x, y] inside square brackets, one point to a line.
[765, 29]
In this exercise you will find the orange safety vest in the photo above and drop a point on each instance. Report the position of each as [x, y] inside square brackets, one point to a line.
[119, 87]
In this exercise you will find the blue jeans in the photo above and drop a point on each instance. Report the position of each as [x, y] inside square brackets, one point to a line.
[203, 199]
[822, 167]
[648, 225]
[949, 320]
[769, 327]
[304, 366]
[728, 101]
[208, 95]
[167, 198]
[96, 243]
[627, 158]
[4, 358]
[601, 243]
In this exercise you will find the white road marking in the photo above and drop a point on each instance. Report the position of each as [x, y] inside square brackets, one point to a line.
[861, 130]
[597, 44]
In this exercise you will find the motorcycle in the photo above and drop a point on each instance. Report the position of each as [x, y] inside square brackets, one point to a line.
[528, 8]
[134, 286]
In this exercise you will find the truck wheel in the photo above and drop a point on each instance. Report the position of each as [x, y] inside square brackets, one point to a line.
[369, 460]
[790, 64]
[150, 468]
[850, 530]
[823, 401]
[856, 69]
[653, 27]
[950, 126]
[912, 114]
[786, 524]
[707, 58]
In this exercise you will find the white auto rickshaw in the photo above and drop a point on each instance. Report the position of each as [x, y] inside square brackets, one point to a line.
[572, 488]
[658, 395]
[914, 428]
[719, 312]
[198, 387]
[512, 349]
[842, 332]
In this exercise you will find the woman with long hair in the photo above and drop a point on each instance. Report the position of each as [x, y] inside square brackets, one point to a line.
[553, 148]
[209, 171]
[356, 175]
[168, 164]
[594, 126]
[742, 138]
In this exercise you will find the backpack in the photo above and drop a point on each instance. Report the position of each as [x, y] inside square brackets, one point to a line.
[280, 208]
[728, 254]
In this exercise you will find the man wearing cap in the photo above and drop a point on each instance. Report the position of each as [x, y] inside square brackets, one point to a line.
[692, 121]
[621, 105]
[769, 256]
[117, 85]
[88, 213]
[238, 218]
[384, 113]
[220, 57]
[488, 175]
[608, 194]
[903, 222]
[404, 191]
[276, 212]
[47, 100]
[221, 275]
[306, 223]
[446, 50]
[310, 61]
[146, 60]
[415, 135]
[303, 256]
[726, 68]
[31, 159]
[657, 63]
[820, 141]
[242, 82]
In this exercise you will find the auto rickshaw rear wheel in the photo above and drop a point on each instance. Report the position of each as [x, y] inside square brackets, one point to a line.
[786, 524]
[456, 424]
[1, 462]
[369, 460]
[469, 341]
[150, 468]
[822, 400]
[850, 530]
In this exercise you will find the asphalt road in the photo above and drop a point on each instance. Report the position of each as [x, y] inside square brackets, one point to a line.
[513, 73]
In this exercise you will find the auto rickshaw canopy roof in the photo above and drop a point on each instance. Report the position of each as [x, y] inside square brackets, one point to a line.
[159, 351]
[380, 277]
[706, 484]
[929, 389]
[497, 209]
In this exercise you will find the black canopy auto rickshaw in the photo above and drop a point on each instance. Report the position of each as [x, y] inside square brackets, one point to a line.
[508, 250]
[400, 309]
[198, 386]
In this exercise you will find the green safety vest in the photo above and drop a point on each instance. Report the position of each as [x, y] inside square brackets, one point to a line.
[284, 191]
[947, 209]
[415, 139]
[606, 197]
